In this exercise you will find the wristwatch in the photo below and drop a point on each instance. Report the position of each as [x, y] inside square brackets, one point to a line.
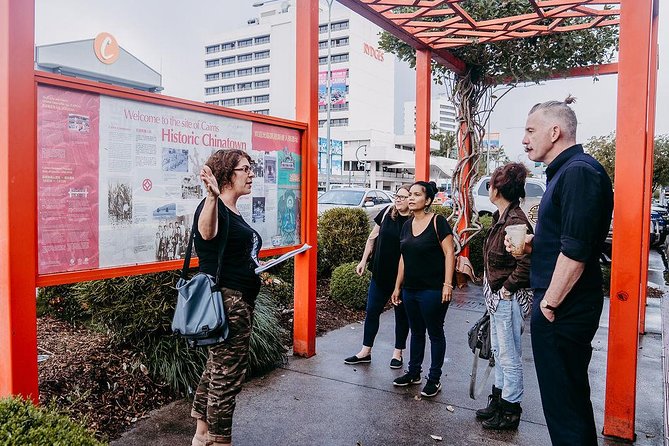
[546, 305]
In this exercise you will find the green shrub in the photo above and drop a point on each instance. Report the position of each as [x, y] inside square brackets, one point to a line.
[57, 301]
[137, 312]
[21, 423]
[349, 289]
[442, 210]
[476, 245]
[342, 234]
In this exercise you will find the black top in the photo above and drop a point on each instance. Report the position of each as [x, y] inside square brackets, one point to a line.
[424, 260]
[386, 257]
[240, 256]
[574, 218]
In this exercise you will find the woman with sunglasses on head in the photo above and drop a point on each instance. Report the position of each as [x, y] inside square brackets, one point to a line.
[424, 279]
[385, 236]
[506, 283]
[227, 176]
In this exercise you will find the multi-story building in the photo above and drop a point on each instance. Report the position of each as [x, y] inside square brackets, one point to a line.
[253, 69]
[442, 113]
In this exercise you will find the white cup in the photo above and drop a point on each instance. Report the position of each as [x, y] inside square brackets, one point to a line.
[516, 236]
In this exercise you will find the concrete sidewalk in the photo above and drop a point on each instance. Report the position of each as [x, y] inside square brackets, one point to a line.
[322, 401]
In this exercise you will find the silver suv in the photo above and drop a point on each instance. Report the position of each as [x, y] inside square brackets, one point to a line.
[370, 200]
[534, 190]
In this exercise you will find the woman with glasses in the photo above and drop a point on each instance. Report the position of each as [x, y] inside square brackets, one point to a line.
[385, 237]
[227, 175]
[508, 298]
[425, 281]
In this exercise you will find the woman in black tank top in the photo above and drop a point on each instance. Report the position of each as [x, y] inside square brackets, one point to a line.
[424, 281]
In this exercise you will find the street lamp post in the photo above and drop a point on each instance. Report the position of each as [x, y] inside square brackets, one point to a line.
[328, 105]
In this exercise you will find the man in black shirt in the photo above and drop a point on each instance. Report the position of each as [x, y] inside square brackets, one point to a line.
[574, 218]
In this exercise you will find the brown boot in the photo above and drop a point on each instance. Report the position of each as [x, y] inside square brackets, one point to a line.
[506, 418]
[492, 407]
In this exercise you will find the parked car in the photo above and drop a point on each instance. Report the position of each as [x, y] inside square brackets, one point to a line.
[663, 222]
[370, 200]
[534, 190]
[659, 227]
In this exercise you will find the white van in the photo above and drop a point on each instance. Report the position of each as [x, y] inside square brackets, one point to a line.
[534, 190]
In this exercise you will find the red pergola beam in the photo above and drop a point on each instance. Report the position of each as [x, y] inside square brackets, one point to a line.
[443, 57]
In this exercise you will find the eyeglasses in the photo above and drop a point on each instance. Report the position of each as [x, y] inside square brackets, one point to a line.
[400, 197]
[246, 169]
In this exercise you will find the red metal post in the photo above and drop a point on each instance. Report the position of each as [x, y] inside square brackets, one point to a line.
[632, 156]
[306, 110]
[423, 101]
[650, 148]
[18, 198]
[465, 150]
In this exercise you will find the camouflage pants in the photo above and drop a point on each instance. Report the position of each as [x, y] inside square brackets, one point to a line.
[225, 370]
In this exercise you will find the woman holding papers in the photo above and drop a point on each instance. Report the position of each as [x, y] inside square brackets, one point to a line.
[227, 175]
[386, 238]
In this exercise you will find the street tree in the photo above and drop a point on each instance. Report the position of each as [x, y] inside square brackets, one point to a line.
[603, 148]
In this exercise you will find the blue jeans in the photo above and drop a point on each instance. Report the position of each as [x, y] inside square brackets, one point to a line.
[376, 301]
[506, 325]
[426, 312]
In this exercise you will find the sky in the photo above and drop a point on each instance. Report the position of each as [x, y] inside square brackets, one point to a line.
[169, 36]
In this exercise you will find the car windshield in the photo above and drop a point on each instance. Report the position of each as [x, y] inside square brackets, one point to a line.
[345, 197]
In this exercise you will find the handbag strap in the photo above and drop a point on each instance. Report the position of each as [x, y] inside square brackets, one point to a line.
[475, 390]
[221, 245]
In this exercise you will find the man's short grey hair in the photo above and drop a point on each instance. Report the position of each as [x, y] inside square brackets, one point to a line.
[563, 112]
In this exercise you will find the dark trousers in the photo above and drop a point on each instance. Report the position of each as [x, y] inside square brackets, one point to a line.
[376, 301]
[426, 312]
[562, 352]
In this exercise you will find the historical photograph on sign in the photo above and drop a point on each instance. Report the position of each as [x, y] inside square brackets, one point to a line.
[191, 187]
[288, 209]
[119, 201]
[172, 238]
[258, 214]
[270, 170]
[259, 166]
[78, 123]
[175, 160]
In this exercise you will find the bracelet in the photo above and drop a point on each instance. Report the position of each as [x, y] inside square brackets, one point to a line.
[448, 285]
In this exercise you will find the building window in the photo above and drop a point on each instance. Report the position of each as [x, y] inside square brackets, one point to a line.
[262, 84]
[228, 60]
[212, 76]
[334, 107]
[228, 74]
[227, 88]
[244, 57]
[244, 43]
[213, 63]
[339, 58]
[228, 102]
[343, 41]
[228, 46]
[323, 29]
[262, 39]
[212, 90]
[322, 45]
[339, 122]
[264, 111]
[321, 122]
[244, 86]
[212, 102]
[262, 54]
[245, 72]
[338, 26]
[262, 69]
[322, 60]
[261, 99]
[213, 49]
[244, 101]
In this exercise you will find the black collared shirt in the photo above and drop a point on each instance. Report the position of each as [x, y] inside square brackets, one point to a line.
[574, 218]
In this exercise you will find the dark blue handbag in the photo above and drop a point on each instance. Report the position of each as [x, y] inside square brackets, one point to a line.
[199, 316]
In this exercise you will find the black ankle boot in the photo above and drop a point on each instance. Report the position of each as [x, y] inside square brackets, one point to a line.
[506, 418]
[493, 404]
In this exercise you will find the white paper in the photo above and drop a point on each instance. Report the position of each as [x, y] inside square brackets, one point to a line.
[282, 258]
